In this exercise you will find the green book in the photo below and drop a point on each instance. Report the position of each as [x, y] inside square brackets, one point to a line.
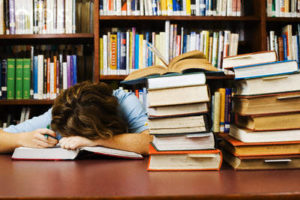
[26, 78]
[11, 78]
[19, 78]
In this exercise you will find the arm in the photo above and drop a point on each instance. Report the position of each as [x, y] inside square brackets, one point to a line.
[135, 142]
[36, 139]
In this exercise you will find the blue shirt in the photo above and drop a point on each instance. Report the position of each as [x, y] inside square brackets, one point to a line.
[130, 109]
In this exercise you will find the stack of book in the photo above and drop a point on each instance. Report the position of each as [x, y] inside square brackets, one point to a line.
[266, 134]
[177, 109]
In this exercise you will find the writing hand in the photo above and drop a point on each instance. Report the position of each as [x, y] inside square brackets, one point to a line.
[37, 139]
[74, 142]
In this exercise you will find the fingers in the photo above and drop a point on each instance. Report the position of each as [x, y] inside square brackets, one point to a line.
[45, 141]
[70, 143]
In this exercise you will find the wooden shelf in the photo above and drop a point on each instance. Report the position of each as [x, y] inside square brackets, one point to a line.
[283, 19]
[27, 102]
[180, 18]
[47, 36]
[112, 77]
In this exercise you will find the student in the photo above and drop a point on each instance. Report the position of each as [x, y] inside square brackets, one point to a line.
[87, 114]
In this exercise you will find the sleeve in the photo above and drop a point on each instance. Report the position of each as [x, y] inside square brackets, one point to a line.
[32, 124]
[132, 111]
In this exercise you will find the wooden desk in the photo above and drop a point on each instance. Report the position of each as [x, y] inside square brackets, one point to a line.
[129, 179]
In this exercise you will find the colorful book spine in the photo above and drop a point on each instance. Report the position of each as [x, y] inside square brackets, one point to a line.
[19, 78]
[11, 68]
[26, 78]
[228, 93]
[222, 109]
[74, 57]
[4, 79]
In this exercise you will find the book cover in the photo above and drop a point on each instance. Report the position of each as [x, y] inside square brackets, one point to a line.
[11, 71]
[184, 160]
[19, 78]
[26, 78]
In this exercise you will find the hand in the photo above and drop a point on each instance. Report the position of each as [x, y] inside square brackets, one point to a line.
[37, 139]
[74, 142]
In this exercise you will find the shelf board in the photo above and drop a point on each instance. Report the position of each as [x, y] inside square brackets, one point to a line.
[112, 77]
[283, 19]
[180, 18]
[27, 102]
[47, 36]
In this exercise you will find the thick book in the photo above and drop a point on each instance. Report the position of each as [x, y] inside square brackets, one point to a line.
[197, 141]
[176, 80]
[266, 69]
[19, 78]
[26, 78]
[178, 96]
[173, 125]
[11, 78]
[184, 160]
[267, 85]
[239, 148]
[262, 162]
[267, 103]
[246, 135]
[249, 59]
[57, 153]
[281, 121]
[178, 110]
[190, 61]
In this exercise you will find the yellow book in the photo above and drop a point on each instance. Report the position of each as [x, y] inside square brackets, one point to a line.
[141, 55]
[164, 9]
[222, 109]
[207, 44]
[113, 53]
[188, 7]
[216, 114]
[170, 7]
[101, 55]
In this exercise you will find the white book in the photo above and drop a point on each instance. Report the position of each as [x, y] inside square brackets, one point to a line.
[74, 16]
[57, 153]
[40, 76]
[68, 16]
[65, 75]
[220, 50]
[2, 22]
[128, 7]
[60, 16]
[176, 81]
[52, 79]
[127, 51]
[246, 135]
[167, 39]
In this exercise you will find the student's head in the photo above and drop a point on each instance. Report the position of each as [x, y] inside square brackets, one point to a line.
[89, 110]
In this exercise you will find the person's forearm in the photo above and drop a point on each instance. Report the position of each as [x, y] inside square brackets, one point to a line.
[136, 142]
[8, 141]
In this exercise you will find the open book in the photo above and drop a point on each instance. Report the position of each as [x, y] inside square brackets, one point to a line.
[190, 61]
[57, 153]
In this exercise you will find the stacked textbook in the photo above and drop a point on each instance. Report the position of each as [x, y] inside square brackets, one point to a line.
[266, 134]
[177, 110]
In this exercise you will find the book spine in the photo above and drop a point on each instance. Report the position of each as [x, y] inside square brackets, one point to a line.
[216, 112]
[74, 57]
[227, 109]
[26, 78]
[19, 78]
[4, 79]
[11, 68]
[222, 109]
[12, 19]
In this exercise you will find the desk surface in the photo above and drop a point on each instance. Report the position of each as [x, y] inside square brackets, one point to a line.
[129, 179]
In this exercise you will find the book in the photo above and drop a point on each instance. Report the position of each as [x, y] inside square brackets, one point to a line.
[197, 141]
[11, 78]
[19, 78]
[239, 148]
[178, 110]
[262, 162]
[172, 125]
[267, 85]
[248, 136]
[57, 153]
[184, 160]
[26, 78]
[176, 80]
[266, 69]
[249, 59]
[178, 96]
[190, 61]
[281, 121]
[267, 103]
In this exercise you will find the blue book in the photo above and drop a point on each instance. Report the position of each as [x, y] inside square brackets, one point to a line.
[74, 57]
[118, 50]
[284, 47]
[228, 93]
[122, 51]
[202, 8]
[184, 43]
[154, 7]
[35, 75]
[137, 42]
[148, 51]
[266, 69]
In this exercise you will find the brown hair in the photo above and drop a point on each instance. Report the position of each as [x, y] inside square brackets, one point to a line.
[89, 110]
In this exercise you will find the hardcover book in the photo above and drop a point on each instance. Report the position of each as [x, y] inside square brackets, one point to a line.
[57, 153]
[178, 96]
[268, 103]
[267, 85]
[266, 69]
[239, 148]
[249, 59]
[184, 160]
[249, 136]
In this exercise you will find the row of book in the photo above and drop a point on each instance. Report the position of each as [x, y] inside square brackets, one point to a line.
[286, 45]
[12, 119]
[47, 77]
[178, 119]
[266, 133]
[123, 52]
[283, 8]
[171, 7]
[46, 16]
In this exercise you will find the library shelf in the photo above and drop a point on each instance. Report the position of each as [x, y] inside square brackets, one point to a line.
[112, 77]
[180, 18]
[27, 102]
[283, 19]
[47, 36]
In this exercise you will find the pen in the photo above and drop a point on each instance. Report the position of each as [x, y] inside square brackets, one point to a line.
[47, 135]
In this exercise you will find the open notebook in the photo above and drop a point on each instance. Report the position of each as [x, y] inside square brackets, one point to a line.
[57, 153]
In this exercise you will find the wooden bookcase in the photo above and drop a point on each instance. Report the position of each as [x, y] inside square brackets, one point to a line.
[255, 24]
